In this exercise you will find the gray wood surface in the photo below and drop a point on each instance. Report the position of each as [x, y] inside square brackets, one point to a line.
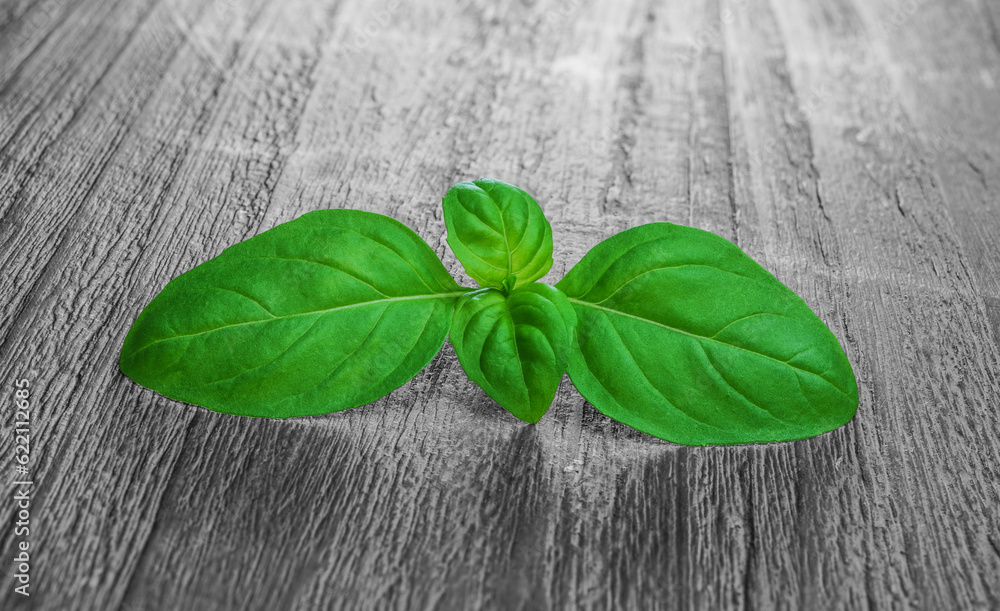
[850, 146]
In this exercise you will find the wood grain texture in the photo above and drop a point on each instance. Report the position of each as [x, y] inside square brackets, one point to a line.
[853, 148]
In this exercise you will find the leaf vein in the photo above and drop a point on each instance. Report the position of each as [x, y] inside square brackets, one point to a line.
[655, 388]
[716, 334]
[339, 365]
[393, 251]
[327, 265]
[703, 338]
[334, 309]
[284, 352]
[473, 253]
[736, 390]
[479, 218]
[411, 349]
[657, 269]
[235, 292]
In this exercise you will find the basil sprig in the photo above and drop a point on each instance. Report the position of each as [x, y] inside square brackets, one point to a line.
[669, 329]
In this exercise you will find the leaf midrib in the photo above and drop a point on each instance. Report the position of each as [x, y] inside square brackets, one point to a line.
[506, 238]
[309, 313]
[702, 337]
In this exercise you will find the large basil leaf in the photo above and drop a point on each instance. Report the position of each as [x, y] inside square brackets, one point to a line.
[498, 232]
[329, 311]
[684, 337]
[515, 347]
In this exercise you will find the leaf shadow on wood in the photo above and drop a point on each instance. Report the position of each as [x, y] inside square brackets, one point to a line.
[338, 506]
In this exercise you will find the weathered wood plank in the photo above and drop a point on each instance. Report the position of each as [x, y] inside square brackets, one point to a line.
[856, 160]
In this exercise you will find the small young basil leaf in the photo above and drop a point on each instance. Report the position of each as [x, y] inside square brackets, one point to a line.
[683, 336]
[515, 347]
[330, 311]
[497, 231]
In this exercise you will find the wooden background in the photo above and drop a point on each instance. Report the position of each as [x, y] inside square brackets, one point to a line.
[850, 146]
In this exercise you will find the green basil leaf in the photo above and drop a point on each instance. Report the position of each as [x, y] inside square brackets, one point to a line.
[683, 336]
[329, 311]
[515, 347]
[498, 232]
